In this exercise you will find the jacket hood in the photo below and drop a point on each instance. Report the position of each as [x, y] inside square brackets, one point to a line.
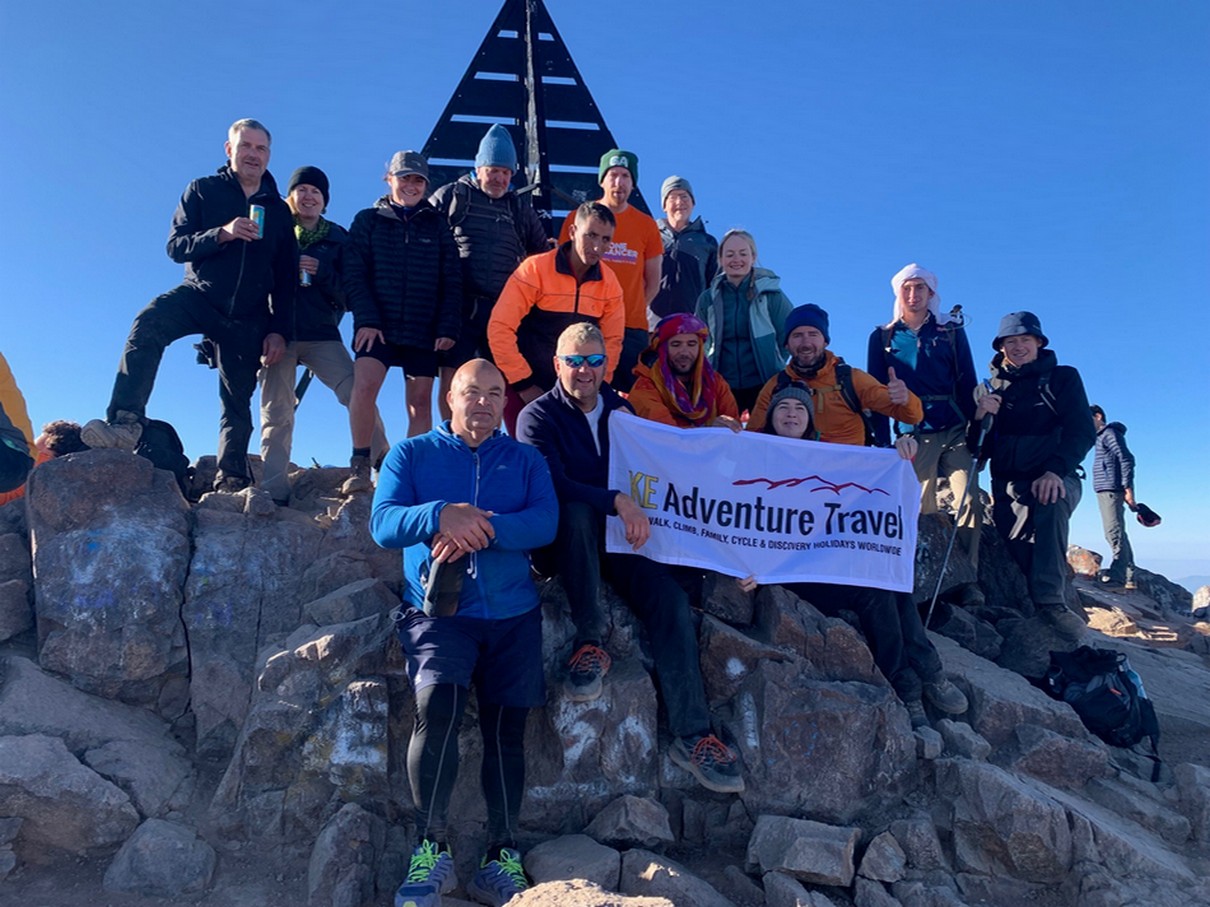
[764, 280]
[1117, 426]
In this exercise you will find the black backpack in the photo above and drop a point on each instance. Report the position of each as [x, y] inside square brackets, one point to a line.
[160, 444]
[1108, 696]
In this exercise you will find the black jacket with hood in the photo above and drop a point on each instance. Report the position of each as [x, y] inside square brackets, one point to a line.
[319, 307]
[1036, 430]
[237, 277]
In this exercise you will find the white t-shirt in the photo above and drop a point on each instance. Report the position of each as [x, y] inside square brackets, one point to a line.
[594, 420]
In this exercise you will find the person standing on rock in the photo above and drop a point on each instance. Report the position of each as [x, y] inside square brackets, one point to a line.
[235, 236]
[690, 253]
[889, 620]
[1041, 430]
[929, 351]
[404, 286]
[1113, 482]
[494, 231]
[547, 293]
[466, 503]
[570, 426]
[674, 382]
[316, 343]
[636, 254]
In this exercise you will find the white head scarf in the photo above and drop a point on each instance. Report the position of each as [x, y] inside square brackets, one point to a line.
[930, 280]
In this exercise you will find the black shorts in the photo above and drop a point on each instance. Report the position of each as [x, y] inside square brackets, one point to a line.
[415, 362]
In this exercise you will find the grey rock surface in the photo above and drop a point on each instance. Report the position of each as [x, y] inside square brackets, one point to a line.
[340, 872]
[649, 874]
[810, 851]
[162, 859]
[631, 821]
[574, 857]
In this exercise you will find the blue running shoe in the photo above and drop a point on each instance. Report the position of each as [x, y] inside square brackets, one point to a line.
[430, 875]
[498, 880]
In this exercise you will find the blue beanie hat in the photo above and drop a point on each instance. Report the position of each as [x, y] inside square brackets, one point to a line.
[497, 149]
[809, 315]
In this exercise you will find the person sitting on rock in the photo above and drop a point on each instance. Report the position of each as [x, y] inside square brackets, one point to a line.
[570, 426]
[891, 624]
[675, 383]
[466, 503]
[1041, 430]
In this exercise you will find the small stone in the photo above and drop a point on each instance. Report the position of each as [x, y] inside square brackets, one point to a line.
[161, 859]
[929, 744]
[810, 851]
[632, 821]
[574, 857]
[884, 860]
[962, 740]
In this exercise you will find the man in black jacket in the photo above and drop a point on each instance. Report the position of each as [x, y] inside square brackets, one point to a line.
[232, 267]
[569, 424]
[494, 231]
[403, 282]
[1042, 429]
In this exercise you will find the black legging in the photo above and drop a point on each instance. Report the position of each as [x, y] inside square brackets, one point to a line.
[433, 761]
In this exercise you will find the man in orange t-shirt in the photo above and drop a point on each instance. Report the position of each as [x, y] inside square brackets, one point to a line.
[636, 256]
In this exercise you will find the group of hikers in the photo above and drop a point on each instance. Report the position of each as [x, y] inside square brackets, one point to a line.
[536, 344]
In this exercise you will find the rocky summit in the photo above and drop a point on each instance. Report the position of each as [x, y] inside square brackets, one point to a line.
[204, 701]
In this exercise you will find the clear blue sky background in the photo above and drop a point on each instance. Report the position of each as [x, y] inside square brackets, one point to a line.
[1046, 155]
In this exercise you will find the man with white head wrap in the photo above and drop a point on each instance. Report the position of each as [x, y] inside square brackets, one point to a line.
[929, 351]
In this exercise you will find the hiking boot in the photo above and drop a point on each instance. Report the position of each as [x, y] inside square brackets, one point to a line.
[498, 881]
[945, 697]
[586, 671]
[121, 434]
[359, 480]
[1066, 624]
[231, 484]
[915, 710]
[430, 875]
[714, 764]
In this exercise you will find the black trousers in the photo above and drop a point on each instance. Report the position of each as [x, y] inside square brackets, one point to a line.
[433, 762]
[892, 627]
[655, 596]
[179, 313]
[1036, 534]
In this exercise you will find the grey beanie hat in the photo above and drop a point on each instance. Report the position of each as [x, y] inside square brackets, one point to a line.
[675, 182]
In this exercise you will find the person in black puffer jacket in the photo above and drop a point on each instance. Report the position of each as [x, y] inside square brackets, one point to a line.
[1041, 431]
[319, 306]
[403, 283]
[1113, 481]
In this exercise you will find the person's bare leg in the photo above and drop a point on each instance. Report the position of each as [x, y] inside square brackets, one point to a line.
[447, 377]
[368, 375]
[419, 395]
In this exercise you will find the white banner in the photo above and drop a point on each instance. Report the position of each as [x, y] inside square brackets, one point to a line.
[780, 509]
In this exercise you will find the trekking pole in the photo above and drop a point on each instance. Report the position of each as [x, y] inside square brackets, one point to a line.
[303, 383]
[984, 428]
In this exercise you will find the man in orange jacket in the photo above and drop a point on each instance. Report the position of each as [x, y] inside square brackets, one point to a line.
[550, 292]
[674, 382]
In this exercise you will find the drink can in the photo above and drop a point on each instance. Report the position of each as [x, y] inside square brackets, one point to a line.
[256, 213]
[304, 279]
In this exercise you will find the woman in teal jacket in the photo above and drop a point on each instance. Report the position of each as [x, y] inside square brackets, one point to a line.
[745, 309]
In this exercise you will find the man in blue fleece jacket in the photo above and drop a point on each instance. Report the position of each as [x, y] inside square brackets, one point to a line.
[466, 503]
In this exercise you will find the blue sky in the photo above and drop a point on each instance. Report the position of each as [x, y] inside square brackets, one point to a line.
[1046, 155]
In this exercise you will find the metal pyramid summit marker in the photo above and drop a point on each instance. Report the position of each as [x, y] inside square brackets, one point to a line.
[523, 77]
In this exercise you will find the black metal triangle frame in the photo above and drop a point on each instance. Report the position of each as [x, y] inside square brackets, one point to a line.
[523, 77]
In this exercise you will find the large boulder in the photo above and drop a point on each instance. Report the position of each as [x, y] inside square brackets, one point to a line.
[162, 859]
[242, 591]
[110, 539]
[832, 750]
[341, 869]
[16, 585]
[64, 805]
[317, 734]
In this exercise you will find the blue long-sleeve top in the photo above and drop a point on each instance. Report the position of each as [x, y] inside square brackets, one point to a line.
[421, 475]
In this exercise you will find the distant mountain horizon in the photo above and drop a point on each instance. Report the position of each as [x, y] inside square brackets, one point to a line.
[1193, 583]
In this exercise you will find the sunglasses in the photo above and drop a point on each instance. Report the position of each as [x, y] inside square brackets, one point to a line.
[596, 360]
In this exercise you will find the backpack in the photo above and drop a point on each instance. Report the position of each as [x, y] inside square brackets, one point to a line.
[160, 444]
[950, 329]
[1108, 696]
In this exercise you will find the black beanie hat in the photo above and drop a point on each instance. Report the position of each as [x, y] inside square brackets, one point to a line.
[809, 315]
[312, 176]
